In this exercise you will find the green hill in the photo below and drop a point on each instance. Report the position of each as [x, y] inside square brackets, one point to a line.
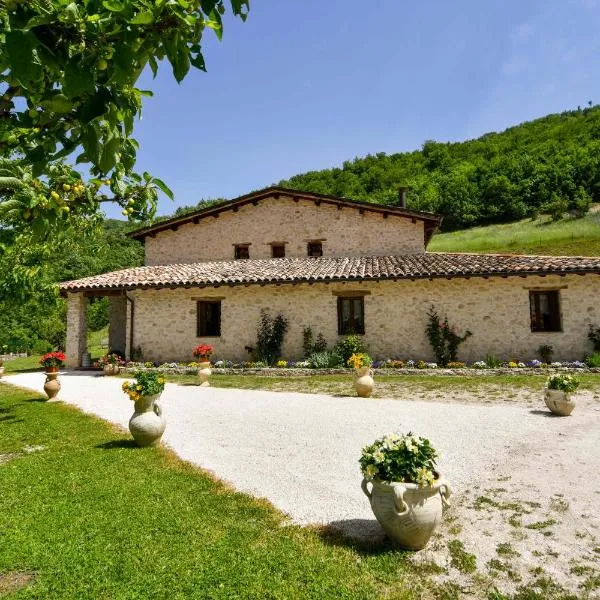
[574, 237]
[552, 163]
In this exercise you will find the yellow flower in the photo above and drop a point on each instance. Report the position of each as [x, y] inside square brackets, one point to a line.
[160, 380]
[138, 387]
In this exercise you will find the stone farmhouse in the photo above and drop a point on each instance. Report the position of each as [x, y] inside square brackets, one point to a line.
[338, 266]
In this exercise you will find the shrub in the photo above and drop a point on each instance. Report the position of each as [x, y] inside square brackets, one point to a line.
[329, 359]
[407, 458]
[593, 360]
[351, 344]
[582, 202]
[443, 338]
[271, 332]
[309, 345]
[41, 347]
[594, 337]
[492, 362]
[557, 206]
[564, 383]
[97, 314]
[545, 352]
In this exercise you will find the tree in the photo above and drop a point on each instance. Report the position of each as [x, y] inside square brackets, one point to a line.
[68, 73]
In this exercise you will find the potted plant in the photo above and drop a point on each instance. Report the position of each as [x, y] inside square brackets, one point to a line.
[52, 362]
[363, 375]
[558, 394]
[407, 493]
[110, 363]
[203, 353]
[147, 423]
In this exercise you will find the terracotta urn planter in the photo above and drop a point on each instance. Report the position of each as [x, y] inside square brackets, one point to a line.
[111, 369]
[559, 402]
[52, 384]
[363, 381]
[147, 424]
[204, 372]
[407, 512]
[51, 370]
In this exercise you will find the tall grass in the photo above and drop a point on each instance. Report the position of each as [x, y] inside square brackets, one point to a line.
[569, 236]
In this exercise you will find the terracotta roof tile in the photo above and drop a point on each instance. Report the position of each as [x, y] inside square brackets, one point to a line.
[336, 268]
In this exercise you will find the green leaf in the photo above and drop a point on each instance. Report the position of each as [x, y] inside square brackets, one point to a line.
[113, 5]
[91, 144]
[77, 80]
[58, 104]
[177, 53]
[95, 106]
[20, 47]
[153, 66]
[143, 18]
[108, 157]
[161, 185]
[198, 62]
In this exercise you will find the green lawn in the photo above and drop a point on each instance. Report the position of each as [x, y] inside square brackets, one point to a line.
[542, 236]
[91, 516]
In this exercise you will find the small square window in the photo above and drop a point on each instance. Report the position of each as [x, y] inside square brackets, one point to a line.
[209, 318]
[242, 251]
[315, 249]
[544, 310]
[278, 250]
[351, 315]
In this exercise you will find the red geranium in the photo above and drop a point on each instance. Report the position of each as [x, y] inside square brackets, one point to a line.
[203, 351]
[53, 359]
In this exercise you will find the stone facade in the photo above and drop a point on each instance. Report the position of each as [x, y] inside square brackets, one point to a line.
[495, 310]
[343, 231]
[76, 329]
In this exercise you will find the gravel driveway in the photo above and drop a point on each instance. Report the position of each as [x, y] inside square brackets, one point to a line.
[510, 467]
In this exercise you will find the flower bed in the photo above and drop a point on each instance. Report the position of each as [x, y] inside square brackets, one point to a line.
[191, 369]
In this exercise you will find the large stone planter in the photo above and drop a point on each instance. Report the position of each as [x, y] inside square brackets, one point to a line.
[363, 382]
[147, 423]
[559, 402]
[408, 513]
[52, 384]
[111, 370]
[204, 372]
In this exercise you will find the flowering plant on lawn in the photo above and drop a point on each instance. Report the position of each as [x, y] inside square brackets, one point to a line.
[203, 351]
[564, 383]
[53, 359]
[146, 383]
[360, 360]
[407, 458]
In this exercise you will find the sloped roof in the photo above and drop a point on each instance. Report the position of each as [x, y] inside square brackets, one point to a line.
[431, 220]
[331, 269]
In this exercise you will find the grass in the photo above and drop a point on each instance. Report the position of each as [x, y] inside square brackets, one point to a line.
[497, 387]
[541, 236]
[91, 516]
[95, 339]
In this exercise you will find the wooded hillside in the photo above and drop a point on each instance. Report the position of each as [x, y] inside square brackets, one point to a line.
[547, 165]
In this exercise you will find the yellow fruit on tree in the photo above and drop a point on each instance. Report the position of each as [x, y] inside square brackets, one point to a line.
[54, 195]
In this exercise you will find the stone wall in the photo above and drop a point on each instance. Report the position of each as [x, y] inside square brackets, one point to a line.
[76, 329]
[117, 316]
[496, 310]
[343, 232]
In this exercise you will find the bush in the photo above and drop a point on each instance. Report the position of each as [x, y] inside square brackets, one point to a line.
[443, 339]
[325, 360]
[545, 352]
[352, 344]
[491, 362]
[557, 206]
[594, 337]
[271, 332]
[41, 347]
[97, 314]
[593, 360]
[309, 345]
[582, 202]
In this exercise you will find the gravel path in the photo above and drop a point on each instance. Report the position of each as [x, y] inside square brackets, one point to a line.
[300, 451]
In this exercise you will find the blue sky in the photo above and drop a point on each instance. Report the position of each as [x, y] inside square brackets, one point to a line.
[307, 85]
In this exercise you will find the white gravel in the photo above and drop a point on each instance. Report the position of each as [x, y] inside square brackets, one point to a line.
[300, 451]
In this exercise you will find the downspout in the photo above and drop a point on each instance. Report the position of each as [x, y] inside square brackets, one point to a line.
[131, 325]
